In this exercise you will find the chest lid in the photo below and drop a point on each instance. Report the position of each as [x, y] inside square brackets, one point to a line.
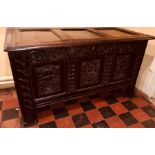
[31, 38]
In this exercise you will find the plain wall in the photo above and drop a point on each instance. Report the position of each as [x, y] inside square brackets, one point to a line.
[5, 71]
[4, 63]
[6, 79]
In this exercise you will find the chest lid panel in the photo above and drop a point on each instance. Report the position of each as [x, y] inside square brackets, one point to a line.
[30, 38]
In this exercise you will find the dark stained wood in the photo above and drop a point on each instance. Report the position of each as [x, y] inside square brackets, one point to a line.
[53, 65]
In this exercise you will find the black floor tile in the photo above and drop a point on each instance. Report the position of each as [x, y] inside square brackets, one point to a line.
[149, 124]
[9, 114]
[128, 119]
[101, 124]
[87, 106]
[129, 105]
[149, 110]
[60, 112]
[48, 125]
[80, 120]
[107, 112]
[110, 99]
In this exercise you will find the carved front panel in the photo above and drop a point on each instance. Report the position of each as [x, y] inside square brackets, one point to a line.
[62, 73]
[48, 79]
[48, 71]
[90, 72]
[122, 67]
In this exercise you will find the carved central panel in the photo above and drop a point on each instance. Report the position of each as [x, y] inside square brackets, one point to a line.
[48, 79]
[90, 72]
[122, 67]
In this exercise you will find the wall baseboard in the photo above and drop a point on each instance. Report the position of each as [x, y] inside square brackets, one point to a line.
[6, 82]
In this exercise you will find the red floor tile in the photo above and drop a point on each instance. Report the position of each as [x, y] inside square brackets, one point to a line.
[140, 115]
[122, 98]
[94, 116]
[74, 109]
[99, 102]
[115, 122]
[11, 103]
[118, 108]
[14, 94]
[153, 118]
[12, 123]
[65, 122]
[140, 102]
[87, 126]
[35, 126]
[6, 96]
[45, 116]
[138, 125]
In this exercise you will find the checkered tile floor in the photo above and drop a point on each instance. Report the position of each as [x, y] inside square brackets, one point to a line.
[96, 111]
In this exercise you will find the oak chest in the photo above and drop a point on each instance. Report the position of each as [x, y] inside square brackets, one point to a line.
[52, 65]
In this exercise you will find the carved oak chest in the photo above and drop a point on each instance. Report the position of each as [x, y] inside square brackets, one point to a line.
[52, 65]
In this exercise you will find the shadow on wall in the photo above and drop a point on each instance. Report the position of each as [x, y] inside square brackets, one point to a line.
[147, 60]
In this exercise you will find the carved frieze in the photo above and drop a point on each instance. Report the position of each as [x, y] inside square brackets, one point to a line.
[41, 55]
